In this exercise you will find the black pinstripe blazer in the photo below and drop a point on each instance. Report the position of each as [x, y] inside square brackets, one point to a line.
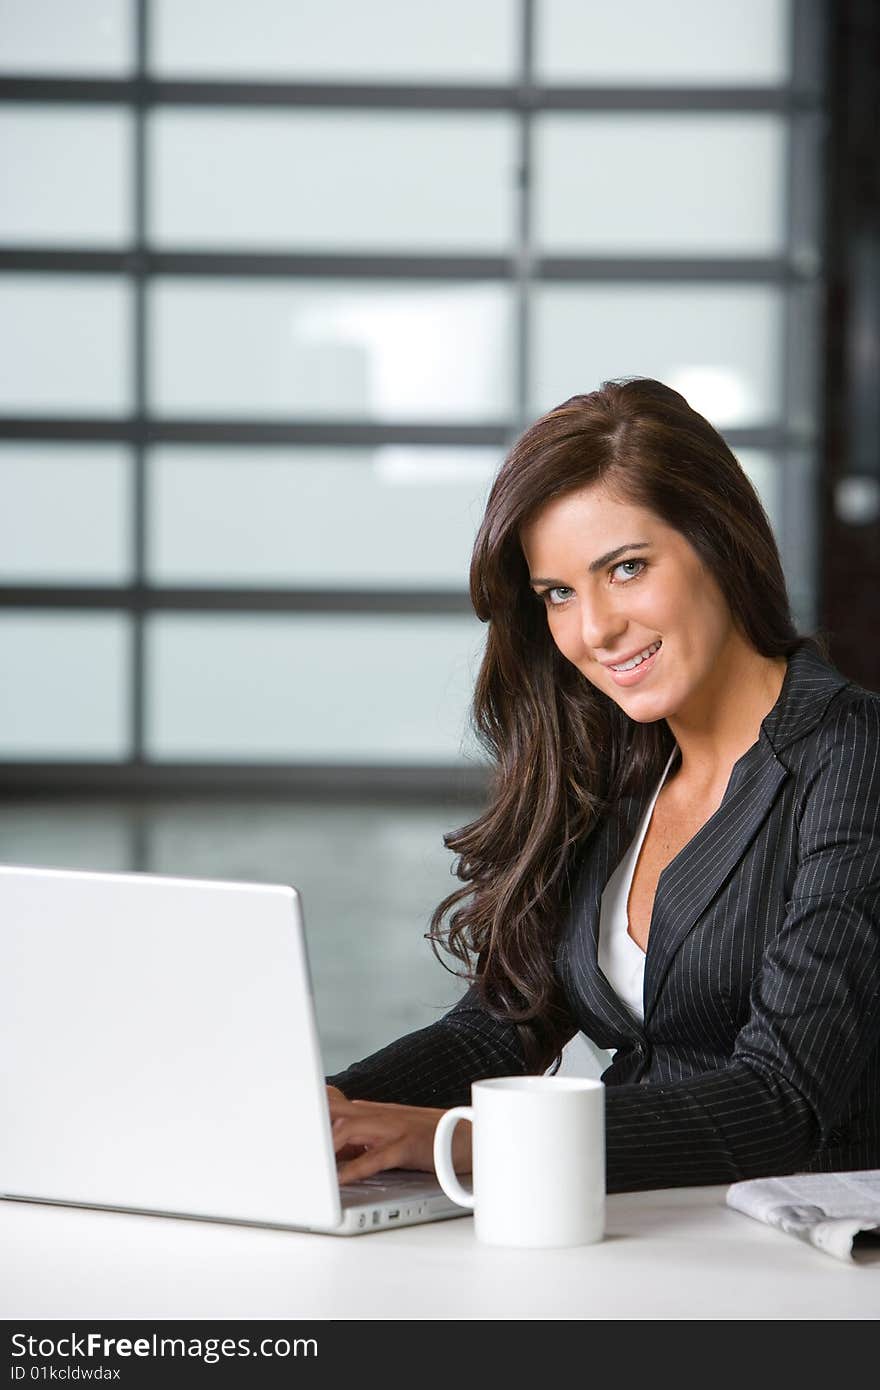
[760, 1047]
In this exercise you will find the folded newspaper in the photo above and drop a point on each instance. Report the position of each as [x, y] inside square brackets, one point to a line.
[829, 1210]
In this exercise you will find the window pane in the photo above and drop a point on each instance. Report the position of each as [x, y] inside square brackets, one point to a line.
[349, 350]
[64, 686]
[322, 688]
[764, 473]
[319, 40]
[64, 513]
[720, 345]
[798, 531]
[664, 184]
[90, 834]
[328, 518]
[55, 36]
[786, 484]
[419, 181]
[65, 175]
[701, 43]
[64, 345]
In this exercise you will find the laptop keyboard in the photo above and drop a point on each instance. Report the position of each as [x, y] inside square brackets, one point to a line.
[394, 1182]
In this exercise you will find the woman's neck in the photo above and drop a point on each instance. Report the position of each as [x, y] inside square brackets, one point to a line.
[724, 719]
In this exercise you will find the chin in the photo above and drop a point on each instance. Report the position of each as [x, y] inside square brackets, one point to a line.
[644, 715]
[645, 707]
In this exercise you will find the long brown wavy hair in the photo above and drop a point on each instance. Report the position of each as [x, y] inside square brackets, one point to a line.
[563, 754]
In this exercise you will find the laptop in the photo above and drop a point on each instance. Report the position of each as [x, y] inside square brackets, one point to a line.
[159, 1053]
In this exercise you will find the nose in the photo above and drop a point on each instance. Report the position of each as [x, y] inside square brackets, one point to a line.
[601, 626]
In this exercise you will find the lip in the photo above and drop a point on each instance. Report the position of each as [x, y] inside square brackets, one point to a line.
[638, 673]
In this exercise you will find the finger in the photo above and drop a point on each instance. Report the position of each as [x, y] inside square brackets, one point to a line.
[373, 1161]
[354, 1130]
[338, 1105]
[354, 1109]
[350, 1151]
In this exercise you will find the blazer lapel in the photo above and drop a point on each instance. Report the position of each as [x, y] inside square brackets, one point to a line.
[687, 886]
[580, 944]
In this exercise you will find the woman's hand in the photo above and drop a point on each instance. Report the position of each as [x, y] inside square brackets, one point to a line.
[369, 1136]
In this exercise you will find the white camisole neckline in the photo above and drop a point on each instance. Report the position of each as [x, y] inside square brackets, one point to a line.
[621, 961]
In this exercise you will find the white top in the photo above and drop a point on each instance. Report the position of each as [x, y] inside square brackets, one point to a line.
[621, 961]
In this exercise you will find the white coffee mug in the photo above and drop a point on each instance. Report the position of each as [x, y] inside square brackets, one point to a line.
[538, 1160]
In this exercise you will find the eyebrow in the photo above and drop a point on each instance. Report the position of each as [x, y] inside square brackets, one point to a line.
[602, 561]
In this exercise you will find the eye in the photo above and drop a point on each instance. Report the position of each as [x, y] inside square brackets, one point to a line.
[555, 602]
[631, 569]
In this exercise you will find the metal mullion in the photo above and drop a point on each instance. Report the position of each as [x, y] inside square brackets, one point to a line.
[17, 258]
[254, 432]
[682, 99]
[256, 265]
[321, 434]
[319, 266]
[523, 263]
[696, 269]
[417, 783]
[149, 92]
[139, 357]
[139, 599]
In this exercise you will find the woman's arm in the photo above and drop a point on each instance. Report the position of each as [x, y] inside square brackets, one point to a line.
[384, 1109]
[815, 1010]
[436, 1065]
[813, 1029]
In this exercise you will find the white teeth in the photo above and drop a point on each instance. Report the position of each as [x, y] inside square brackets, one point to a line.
[638, 658]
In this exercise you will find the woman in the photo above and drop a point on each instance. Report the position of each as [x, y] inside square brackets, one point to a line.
[681, 854]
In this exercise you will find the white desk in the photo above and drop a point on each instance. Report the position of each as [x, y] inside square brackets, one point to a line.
[668, 1254]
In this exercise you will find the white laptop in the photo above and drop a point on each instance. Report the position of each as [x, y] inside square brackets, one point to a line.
[159, 1053]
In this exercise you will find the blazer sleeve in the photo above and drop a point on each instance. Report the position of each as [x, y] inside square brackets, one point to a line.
[436, 1065]
[815, 1003]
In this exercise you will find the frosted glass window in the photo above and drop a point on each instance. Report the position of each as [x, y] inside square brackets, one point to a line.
[65, 175]
[313, 688]
[719, 345]
[329, 518]
[65, 513]
[62, 38]
[319, 40]
[89, 834]
[64, 686]
[764, 472]
[627, 185]
[406, 181]
[64, 345]
[348, 350]
[701, 43]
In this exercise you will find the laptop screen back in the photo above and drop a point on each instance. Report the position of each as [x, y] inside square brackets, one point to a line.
[159, 1048]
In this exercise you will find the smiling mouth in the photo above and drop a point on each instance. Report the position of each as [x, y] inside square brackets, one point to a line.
[637, 660]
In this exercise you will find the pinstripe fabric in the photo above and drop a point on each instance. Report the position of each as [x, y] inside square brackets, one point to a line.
[760, 1048]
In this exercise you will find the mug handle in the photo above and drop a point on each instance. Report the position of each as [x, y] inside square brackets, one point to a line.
[443, 1154]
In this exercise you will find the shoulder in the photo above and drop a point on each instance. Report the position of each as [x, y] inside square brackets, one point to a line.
[825, 731]
[850, 724]
[820, 710]
[838, 774]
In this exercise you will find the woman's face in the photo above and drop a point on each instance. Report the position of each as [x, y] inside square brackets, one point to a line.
[619, 586]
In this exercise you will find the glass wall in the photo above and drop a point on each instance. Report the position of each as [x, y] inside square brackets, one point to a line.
[278, 288]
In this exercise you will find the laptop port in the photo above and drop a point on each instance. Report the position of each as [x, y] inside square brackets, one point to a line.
[393, 1215]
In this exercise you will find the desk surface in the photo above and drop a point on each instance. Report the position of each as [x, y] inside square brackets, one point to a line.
[667, 1254]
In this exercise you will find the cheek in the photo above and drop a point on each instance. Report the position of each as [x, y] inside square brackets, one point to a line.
[564, 635]
[709, 622]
